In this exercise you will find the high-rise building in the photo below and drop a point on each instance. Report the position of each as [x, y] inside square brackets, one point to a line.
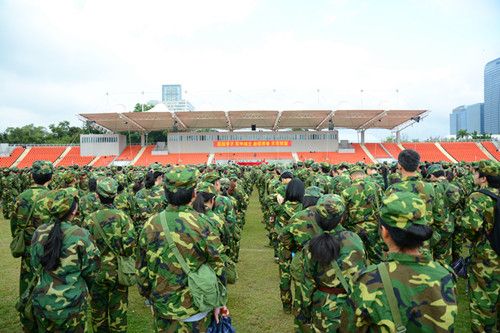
[171, 92]
[171, 96]
[467, 117]
[492, 97]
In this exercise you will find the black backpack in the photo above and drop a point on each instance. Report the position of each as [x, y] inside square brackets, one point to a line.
[494, 236]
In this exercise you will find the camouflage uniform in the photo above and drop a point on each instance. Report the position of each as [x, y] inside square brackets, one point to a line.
[110, 299]
[425, 290]
[287, 210]
[149, 202]
[323, 296]
[434, 207]
[60, 296]
[484, 272]
[19, 222]
[161, 278]
[450, 196]
[362, 201]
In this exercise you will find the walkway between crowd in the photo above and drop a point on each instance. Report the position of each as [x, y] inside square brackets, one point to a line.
[254, 300]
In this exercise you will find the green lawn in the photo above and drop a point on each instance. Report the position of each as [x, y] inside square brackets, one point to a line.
[253, 301]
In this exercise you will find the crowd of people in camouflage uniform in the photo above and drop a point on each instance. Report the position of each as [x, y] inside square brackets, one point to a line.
[359, 247]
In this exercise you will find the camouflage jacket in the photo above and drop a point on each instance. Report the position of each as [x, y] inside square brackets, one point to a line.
[427, 193]
[340, 183]
[362, 201]
[284, 213]
[161, 278]
[450, 195]
[63, 292]
[225, 209]
[22, 207]
[318, 307]
[300, 229]
[150, 202]
[477, 221]
[125, 202]
[425, 292]
[120, 234]
[89, 204]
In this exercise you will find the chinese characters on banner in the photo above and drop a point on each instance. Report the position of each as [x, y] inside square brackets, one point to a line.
[253, 143]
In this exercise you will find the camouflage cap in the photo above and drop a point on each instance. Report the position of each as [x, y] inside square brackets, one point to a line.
[181, 177]
[58, 202]
[313, 191]
[210, 177]
[42, 168]
[330, 204]
[68, 176]
[225, 183]
[315, 166]
[434, 168]
[308, 163]
[325, 166]
[206, 187]
[489, 168]
[156, 167]
[402, 210]
[107, 187]
[356, 168]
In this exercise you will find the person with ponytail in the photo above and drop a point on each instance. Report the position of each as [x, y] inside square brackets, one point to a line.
[409, 292]
[151, 199]
[329, 261]
[65, 259]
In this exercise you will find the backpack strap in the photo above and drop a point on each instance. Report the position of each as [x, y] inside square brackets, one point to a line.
[391, 297]
[340, 276]
[171, 243]
[101, 233]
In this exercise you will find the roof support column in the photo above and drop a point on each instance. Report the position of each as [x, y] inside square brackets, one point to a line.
[143, 139]
[362, 132]
[398, 136]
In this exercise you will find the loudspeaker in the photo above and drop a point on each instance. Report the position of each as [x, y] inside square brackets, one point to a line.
[254, 127]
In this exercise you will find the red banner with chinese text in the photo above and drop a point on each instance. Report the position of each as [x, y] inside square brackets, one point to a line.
[252, 143]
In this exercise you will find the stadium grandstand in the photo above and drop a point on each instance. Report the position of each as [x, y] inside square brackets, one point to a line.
[245, 137]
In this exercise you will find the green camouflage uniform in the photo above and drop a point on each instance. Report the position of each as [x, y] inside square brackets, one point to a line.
[19, 222]
[434, 207]
[286, 211]
[161, 278]
[450, 195]
[362, 200]
[321, 309]
[60, 296]
[484, 271]
[109, 301]
[425, 290]
[150, 202]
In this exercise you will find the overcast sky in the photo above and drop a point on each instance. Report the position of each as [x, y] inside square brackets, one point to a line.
[61, 58]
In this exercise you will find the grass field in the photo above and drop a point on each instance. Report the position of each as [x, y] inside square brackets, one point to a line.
[253, 301]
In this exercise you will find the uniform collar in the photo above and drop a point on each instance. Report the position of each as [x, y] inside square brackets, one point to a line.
[403, 257]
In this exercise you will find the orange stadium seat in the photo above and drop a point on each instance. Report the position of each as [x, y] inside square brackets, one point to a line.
[129, 153]
[376, 150]
[428, 151]
[9, 160]
[41, 153]
[73, 157]
[104, 161]
[492, 149]
[464, 151]
[333, 157]
[392, 148]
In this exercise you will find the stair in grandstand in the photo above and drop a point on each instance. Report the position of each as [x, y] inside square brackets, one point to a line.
[492, 148]
[464, 151]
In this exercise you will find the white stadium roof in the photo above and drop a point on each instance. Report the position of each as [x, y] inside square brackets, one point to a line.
[268, 119]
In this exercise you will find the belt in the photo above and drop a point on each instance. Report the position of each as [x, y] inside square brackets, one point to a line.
[333, 291]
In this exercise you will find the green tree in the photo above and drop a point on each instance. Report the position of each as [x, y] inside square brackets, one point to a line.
[142, 107]
[462, 134]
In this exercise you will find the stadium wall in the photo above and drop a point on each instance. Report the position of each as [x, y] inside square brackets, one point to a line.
[102, 144]
[233, 142]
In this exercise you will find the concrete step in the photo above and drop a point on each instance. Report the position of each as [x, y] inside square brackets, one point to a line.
[485, 152]
[438, 145]
[21, 157]
[65, 152]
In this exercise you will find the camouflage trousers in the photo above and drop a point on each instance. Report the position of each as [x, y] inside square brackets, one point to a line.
[301, 321]
[443, 252]
[285, 279]
[25, 276]
[75, 323]
[484, 283]
[109, 308]
[164, 325]
[326, 311]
